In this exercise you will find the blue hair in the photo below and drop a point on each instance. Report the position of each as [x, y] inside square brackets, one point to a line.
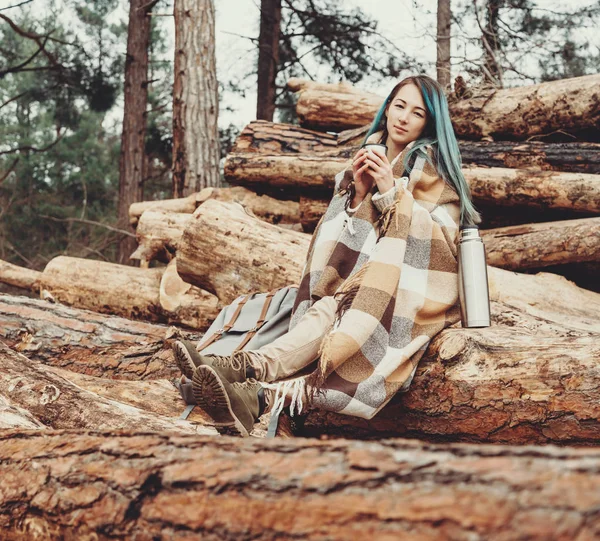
[438, 133]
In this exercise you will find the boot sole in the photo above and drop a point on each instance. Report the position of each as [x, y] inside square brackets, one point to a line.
[183, 360]
[211, 396]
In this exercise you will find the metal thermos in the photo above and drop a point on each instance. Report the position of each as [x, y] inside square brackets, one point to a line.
[473, 289]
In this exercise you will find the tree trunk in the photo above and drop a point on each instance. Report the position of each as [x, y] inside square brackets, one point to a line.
[131, 162]
[58, 403]
[492, 70]
[20, 277]
[125, 291]
[273, 139]
[567, 105]
[443, 66]
[268, 57]
[66, 485]
[507, 187]
[534, 246]
[196, 149]
[246, 254]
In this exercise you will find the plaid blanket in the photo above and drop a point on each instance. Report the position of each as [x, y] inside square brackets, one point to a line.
[394, 274]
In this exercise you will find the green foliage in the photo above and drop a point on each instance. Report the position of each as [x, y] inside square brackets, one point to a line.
[59, 162]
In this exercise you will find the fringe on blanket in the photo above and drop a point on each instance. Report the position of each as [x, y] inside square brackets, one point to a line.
[295, 387]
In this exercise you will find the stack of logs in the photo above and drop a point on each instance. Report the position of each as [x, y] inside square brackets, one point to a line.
[93, 354]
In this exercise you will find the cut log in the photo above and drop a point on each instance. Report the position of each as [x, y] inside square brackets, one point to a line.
[65, 485]
[534, 246]
[122, 290]
[270, 138]
[531, 382]
[15, 417]
[185, 205]
[533, 188]
[58, 403]
[294, 173]
[266, 137]
[88, 342]
[527, 379]
[158, 233]
[267, 208]
[20, 277]
[569, 106]
[226, 251]
[507, 187]
[311, 211]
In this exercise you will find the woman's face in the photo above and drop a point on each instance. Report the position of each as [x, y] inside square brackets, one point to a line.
[406, 115]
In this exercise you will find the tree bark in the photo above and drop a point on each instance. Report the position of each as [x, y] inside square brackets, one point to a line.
[507, 187]
[311, 211]
[531, 382]
[271, 210]
[61, 484]
[534, 246]
[159, 232]
[183, 205]
[491, 45]
[20, 277]
[196, 149]
[273, 139]
[443, 67]
[131, 162]
[568, 105]
[58, 403]
[268, 57]
[124, 291]
[246, 254]
[87, 342]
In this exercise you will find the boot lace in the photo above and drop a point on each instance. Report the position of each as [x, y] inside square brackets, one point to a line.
[237, 360]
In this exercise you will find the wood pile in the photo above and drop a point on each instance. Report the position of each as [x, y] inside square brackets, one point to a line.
[92, 357]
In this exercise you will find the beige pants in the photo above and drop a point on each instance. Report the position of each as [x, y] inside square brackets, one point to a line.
[299, 347]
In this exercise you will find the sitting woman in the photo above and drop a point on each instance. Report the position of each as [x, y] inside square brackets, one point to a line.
[379, 283]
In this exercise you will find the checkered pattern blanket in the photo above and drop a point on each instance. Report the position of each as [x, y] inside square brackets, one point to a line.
[395, 278]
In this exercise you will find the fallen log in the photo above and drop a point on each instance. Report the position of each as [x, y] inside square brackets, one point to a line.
[534, 246]
[137, 485]
[267, 208]
[226, 251]
[185, 205]
[502, 384]
[15, 417]
[311, 211]
[533, 188]
[270, 138]
[314, 175]
[20, 277]
[88, 342]
[568, 106]
[58, 403]
[159, 231]
[124, 291]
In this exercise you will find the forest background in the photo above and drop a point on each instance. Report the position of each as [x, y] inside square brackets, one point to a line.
[62, 77]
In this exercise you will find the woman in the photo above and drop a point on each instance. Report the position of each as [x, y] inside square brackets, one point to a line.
[379, 283]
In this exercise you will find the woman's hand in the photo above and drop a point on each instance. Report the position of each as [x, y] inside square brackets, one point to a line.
[363, 181]
[380, 169]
